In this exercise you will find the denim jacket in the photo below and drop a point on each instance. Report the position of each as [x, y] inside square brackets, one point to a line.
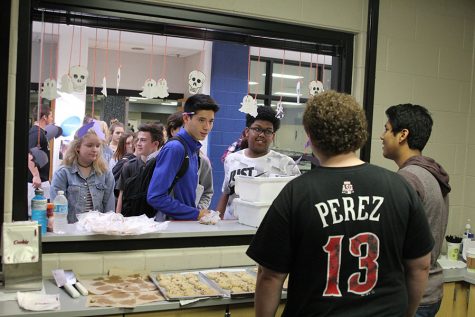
[68, 179]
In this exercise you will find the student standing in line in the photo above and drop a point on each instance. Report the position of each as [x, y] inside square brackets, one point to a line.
[256, 159]
[198, 119]
[149, 141]
[353, 237]
[405, 135]
[87, 182]
[204, 190]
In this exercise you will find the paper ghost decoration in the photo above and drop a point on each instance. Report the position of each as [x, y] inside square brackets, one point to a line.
[279, 110]
[118, 81]
[66, 84]
[104, 86]
[48, 91]
[196, 80]
[162, 88]
[249, 105]
[79, 75]
[315, 87]
[149, 89]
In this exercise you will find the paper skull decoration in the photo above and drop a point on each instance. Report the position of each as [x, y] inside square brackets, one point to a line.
[162, 88]
[79, 75]
[249, 105]
[196, 80]
[315, 87]
[48, 91]
[149, 89]
[66, 84]
[280, 110]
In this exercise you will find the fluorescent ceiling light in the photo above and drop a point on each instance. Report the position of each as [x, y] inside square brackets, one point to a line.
[286, 76]
[253, 83]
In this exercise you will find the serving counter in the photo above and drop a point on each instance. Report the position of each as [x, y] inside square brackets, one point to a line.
[179, 234]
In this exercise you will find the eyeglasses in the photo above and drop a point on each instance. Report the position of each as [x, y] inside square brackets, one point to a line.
[267, 132]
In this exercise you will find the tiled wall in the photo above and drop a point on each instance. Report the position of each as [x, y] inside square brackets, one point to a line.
[99, 263]
[425, 55]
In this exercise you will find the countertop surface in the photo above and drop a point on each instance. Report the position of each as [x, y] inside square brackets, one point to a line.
[175, 229]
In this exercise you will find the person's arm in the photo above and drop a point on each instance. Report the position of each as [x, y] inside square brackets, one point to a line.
[34, 171]
[59, 182]
[222, 202]
[417, 274]
[268, 291]
[108, 200]
[118, 208]
[206, 180]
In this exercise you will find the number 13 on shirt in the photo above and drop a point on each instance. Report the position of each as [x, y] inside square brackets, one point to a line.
[357, 283]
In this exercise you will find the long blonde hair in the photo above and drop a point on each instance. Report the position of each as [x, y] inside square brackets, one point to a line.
[71, 155]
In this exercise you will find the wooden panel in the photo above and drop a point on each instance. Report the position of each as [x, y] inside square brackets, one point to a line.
[460, 304]
[471, 301]
[447, 306]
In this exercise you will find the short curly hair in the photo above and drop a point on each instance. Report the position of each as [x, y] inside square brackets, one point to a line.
[264, 113]
[335, 123]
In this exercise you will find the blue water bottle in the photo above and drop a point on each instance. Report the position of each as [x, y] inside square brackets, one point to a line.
[38, 209]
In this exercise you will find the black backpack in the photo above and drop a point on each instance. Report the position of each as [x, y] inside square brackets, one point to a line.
[134, 197]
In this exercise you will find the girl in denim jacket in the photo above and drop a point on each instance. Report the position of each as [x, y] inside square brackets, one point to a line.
[84, 176]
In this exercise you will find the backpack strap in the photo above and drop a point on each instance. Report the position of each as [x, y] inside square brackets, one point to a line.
[184, 164]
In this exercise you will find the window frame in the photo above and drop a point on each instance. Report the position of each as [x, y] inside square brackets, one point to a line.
[155, 18]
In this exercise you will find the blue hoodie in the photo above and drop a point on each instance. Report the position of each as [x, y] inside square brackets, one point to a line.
[181, 205]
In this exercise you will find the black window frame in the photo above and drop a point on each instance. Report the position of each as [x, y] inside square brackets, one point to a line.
[147, 17]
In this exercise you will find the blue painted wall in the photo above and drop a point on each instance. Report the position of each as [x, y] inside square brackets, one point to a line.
[228, 86]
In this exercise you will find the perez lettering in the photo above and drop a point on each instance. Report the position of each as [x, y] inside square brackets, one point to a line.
[359, 208]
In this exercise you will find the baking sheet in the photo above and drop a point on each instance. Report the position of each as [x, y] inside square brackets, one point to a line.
[185, 285]
[125, 291]
[238, 282]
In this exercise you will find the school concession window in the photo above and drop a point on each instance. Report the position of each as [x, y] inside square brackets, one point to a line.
[322, 56]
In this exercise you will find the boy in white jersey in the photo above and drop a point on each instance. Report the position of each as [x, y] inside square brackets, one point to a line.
[257, 159]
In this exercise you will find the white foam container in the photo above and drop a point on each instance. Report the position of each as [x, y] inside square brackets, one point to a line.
[250, 213]
[260, 189]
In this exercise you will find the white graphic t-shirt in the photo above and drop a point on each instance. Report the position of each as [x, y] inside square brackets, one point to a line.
[273, 163]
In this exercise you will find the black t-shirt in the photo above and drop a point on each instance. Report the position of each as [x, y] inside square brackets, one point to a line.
[342, 235]
[44, 146]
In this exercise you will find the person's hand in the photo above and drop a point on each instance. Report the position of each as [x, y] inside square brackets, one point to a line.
[36, 182]
[203, 212]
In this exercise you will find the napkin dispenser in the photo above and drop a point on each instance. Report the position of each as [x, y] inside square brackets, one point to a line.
[21, 256]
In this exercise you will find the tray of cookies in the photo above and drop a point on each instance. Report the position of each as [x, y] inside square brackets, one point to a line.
[237, 282]
[185, 285]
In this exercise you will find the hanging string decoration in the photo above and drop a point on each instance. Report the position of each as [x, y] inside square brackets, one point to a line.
[196, 78]
[104, 79]
[49, 89]
[315, 87]
[297, 87]
[40, 77]
[119, 66]
[162, 86]
[249, 104]
[94, 76]
[149, 88]
[66, 82]
[280, 107]
[79, 73]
